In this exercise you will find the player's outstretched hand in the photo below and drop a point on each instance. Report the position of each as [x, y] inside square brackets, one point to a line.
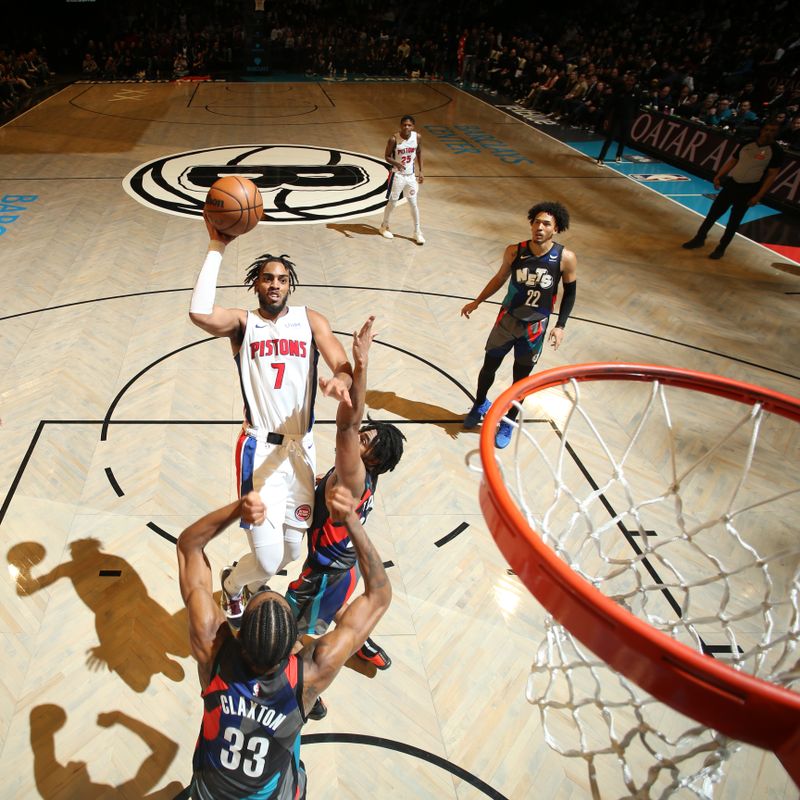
[361, 341]
[335, 388]
[339, 499]
[214, 234]
[469, 308]
[254, 511]
[555, 336]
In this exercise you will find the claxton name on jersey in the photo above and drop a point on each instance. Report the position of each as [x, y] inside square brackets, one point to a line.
[240, 707]
[278, 347]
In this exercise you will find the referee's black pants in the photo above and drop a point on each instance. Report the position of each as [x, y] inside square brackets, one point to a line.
[619, 128]
[734, 196]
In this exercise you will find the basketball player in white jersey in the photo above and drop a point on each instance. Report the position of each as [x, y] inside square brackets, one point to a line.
[403, 152]
[275, 348]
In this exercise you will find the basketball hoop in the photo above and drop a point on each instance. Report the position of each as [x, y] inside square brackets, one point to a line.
[664, 547]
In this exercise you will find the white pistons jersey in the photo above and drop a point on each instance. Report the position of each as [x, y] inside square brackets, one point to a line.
[405, 151]
[278, 372]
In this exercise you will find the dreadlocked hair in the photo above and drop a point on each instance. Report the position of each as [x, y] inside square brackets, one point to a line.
[386, 449]
[268, 633]
[254, 270]
[555, 210]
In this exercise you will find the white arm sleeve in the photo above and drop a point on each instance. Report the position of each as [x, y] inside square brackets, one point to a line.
[205, 286]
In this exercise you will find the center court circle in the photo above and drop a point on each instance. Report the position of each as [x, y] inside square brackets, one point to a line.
[298, 183]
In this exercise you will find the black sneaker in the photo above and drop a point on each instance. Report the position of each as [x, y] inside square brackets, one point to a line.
[693, 244]
[318, 710]
[717, 253]
[375, 654]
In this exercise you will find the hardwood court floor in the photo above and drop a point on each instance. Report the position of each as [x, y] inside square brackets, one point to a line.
[119, 420]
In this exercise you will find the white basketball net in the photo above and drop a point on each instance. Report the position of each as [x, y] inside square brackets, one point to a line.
[705, 489]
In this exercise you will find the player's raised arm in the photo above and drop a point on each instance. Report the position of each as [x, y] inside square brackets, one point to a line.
[203, 312]
[349, 464]
[207, 623]
[324, 657]
[333, 353]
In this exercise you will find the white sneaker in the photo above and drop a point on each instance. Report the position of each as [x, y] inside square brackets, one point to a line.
[418, 237]
[232, 605]
[386, 233]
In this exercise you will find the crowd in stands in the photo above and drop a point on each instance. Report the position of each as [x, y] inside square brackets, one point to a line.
[302, 36]
[21, 73]
[730, 67]
[697, 66]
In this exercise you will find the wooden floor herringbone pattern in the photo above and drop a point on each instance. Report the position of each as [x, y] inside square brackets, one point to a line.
[119, 422]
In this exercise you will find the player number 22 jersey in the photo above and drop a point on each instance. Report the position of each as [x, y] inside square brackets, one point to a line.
[533, 285]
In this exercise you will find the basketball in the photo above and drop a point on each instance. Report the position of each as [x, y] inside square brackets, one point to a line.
[234, 205]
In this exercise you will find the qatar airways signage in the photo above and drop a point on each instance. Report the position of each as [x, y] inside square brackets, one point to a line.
[706, 150]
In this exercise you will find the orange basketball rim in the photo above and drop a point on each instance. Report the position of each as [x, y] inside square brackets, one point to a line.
[736, 704]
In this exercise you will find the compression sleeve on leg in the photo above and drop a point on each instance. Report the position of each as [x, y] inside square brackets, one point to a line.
[205, 286]
[292, 545]
[567, 304]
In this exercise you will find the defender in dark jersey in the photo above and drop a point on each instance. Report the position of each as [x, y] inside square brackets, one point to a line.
[256, 692]
[533, 270]
[330, 572]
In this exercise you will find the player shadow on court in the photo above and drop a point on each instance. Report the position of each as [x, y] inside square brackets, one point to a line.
[415, 411]
[361, 229]
[55, 780]
[137, 636]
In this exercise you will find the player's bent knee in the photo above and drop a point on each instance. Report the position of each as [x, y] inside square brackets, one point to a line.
[291, 551]
[292, 545]
[269, 559]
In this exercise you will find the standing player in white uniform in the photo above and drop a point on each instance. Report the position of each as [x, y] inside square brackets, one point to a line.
[276, 349]
[403, 152]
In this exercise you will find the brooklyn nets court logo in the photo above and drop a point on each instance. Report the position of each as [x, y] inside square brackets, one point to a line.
[298, 183]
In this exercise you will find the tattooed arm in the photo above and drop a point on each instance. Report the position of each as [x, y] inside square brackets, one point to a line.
[324, 657]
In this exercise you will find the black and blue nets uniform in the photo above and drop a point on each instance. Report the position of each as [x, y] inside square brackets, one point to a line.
[528, 303]
[249, 743]
[330, 572]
